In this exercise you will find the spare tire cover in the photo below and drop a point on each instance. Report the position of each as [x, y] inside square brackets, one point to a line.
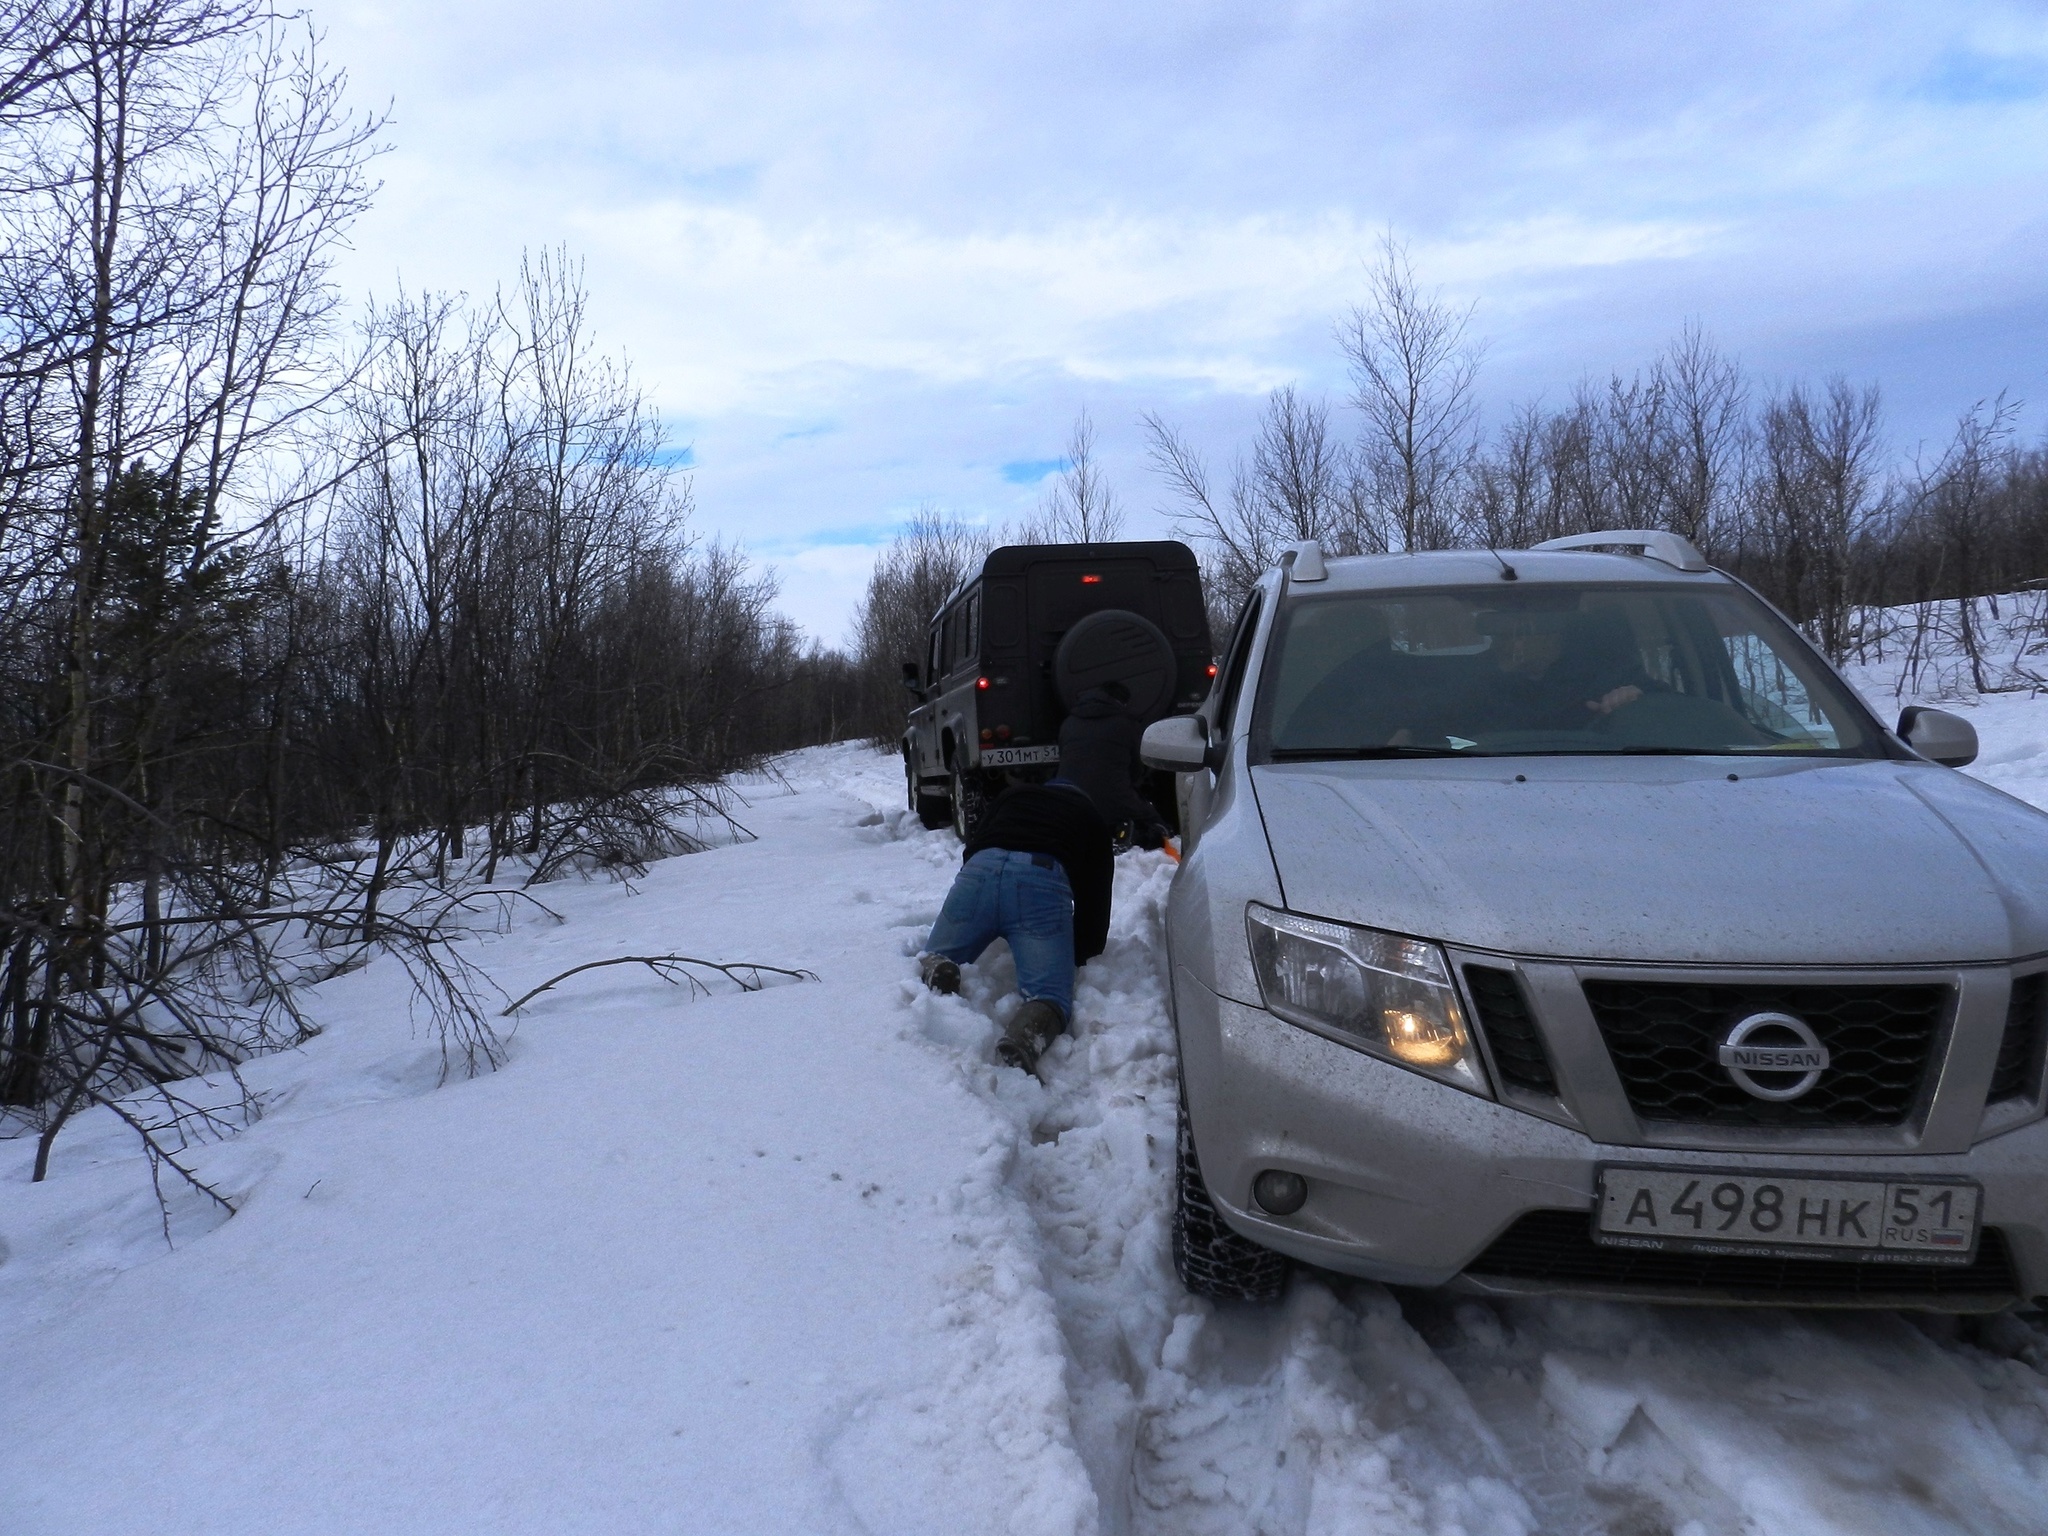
[1117, 646]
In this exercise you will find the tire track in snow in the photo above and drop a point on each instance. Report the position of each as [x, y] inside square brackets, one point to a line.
[1350, 1408]
[1791, 1424]
[1327, 1414]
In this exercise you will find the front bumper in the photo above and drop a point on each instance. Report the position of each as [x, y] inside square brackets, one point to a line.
[1411, 1180]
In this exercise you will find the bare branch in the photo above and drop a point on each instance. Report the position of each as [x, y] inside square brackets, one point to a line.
[676, 970]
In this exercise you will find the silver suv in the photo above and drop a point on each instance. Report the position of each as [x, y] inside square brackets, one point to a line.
[1559, 921]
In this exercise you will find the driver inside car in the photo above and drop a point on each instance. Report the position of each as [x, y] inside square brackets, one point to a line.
[1568, 677]
[1453, 675]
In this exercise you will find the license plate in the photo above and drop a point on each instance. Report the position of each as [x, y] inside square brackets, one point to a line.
[1700, 1210]
[1016, 757]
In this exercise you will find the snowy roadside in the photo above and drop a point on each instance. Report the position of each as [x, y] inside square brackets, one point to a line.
[805, 1260]
[2012, 728]
[742, 1263]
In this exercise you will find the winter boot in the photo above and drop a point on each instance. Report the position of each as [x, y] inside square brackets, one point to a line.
[1028, 1033]
[939, 973]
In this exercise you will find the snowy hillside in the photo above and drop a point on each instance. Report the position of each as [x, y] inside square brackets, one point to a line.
[803, 1260]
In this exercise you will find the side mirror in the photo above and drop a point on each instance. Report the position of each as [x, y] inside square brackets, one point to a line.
[1948, 739]
[1178, 744]
[911, 678]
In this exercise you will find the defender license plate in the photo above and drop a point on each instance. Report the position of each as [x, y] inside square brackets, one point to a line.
[1016, 757]
[1701, 1210]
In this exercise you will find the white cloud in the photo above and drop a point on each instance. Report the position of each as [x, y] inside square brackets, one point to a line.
[938, 229]
[820, 585]
[767, 314]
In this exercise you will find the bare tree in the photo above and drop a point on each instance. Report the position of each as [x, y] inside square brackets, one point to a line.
[38, 52]
[1659, 448]
[1079, 507]
[1705, 423]
[1958, 498]
[912, 579]
[1297, 483]
[1412, 374]
[1632, 443]
[176, 176]
[1510, 507]
[262, 589]
[1793, 492]
[1813, 491]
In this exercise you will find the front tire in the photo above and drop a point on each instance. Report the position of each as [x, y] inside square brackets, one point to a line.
[1212, 1258]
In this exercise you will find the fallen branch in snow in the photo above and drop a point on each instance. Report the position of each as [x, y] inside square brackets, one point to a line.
[671, 969]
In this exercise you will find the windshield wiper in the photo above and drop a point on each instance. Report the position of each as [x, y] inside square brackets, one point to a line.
[1676, 752]
[1351, 754]
[1723, 752]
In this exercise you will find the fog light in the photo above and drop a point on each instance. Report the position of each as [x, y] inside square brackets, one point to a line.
[1420, 1040]
[1279, 1192]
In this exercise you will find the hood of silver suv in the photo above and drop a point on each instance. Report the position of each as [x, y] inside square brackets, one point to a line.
[1666, 859]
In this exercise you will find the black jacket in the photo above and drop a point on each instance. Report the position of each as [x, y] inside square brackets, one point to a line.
[1099, 752]
[1035, 818]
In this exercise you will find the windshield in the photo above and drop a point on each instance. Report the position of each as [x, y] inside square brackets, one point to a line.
[1540, 670]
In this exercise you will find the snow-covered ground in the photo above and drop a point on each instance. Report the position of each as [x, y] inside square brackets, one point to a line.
[803, 1260]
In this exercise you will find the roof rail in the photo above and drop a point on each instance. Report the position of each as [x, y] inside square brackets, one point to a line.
[1304, 562]
[1671, 548]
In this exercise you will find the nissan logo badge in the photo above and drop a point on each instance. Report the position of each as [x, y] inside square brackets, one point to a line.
[1775, 1043]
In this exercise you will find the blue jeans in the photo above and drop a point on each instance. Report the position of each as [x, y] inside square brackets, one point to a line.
[1021, 897]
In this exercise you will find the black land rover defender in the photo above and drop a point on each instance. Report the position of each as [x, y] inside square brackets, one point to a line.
[1017, 644]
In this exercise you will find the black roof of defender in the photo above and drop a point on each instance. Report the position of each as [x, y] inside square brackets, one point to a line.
[1015, 559]
[1167, 554]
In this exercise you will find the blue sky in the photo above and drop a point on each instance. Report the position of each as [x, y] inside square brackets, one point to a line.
[867, 256]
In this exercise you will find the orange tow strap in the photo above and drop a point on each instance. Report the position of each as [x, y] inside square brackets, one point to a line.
[1166, 847]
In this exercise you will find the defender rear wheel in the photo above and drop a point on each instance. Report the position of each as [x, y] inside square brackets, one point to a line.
[1211, 1258]
[933, 811]
[970, 804]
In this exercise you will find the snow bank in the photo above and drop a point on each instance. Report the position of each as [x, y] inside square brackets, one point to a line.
[743, 1264]
[1916, 655]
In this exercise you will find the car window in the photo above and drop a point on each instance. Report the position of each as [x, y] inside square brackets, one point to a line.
[970, 629]
[1542, 670]
[1238, 658]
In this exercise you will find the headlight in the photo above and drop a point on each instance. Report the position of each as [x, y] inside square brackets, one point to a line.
[1378, 991]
